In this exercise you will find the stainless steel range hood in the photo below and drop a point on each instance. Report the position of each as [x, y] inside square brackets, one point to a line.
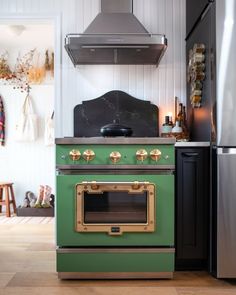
[115, 37]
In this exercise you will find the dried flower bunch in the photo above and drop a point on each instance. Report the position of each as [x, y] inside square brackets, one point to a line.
[36, 73]
[52, 64]
[5, 72]
[19, 77]
[49, 62]
[28, 69]
[21, 71]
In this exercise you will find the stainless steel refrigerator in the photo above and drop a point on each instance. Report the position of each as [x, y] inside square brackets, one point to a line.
[215, 121]
[224, 163]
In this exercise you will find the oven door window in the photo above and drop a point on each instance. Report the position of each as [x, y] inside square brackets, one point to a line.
[115, 207]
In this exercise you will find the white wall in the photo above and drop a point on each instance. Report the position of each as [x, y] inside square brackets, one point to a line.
[160, 85]
[28, 165]
[145, 82]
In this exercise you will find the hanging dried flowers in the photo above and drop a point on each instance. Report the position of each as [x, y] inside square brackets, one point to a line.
[21, 71]
[28, 69]
[19, 77]
[52, 64]
[36, 73]
[5, 72]
[49, 62]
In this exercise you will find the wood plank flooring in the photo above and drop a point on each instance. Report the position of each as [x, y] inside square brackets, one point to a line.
[27, 266]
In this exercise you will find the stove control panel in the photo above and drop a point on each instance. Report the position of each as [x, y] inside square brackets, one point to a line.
[120, 154]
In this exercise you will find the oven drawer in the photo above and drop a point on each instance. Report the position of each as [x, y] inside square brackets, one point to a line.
[160, 234]
[110, 263]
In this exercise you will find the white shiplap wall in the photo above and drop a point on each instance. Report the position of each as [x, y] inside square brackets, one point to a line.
[27, 165]
[159, 85]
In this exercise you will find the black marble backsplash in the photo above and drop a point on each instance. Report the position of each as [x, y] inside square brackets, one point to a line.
[118, 106]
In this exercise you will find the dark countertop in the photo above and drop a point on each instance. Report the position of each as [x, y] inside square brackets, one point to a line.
[115, 140]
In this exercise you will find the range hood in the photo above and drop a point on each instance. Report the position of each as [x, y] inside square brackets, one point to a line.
[115, 37]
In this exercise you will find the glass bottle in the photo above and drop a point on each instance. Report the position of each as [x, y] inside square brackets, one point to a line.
[180, 116]
[166, 127]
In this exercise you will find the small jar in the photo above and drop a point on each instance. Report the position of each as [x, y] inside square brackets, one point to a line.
[198, 58]
[196, 93]
[200, 76]
[199, 67]
[196, 85]
[199, 48]
[196, 100]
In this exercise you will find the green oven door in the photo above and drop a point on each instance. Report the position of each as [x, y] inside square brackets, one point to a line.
[68, 236]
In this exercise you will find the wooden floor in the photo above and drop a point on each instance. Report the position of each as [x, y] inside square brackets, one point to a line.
[27, 266]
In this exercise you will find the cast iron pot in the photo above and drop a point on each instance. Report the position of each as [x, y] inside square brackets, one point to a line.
[116, 129]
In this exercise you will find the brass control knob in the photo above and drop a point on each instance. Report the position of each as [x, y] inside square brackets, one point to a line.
[115, 157]
[88, 155]
[75, 155]
[155, 155]
[141, 155]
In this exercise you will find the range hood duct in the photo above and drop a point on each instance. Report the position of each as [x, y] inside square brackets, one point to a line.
[115, 37]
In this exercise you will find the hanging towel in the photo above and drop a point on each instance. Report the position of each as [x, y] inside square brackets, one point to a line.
[2, 122]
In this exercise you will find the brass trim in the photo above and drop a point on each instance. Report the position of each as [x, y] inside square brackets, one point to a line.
[155, 155]
[115, 250]
[113, 171]
[156, 167]
[88, 155]
[75, 155]
[115, 275]
[141, 155]
[130, 187]
[115, 157]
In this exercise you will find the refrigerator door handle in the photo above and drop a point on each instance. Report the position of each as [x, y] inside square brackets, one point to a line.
[229, 151]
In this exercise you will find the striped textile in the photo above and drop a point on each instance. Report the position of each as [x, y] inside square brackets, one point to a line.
[2, 122]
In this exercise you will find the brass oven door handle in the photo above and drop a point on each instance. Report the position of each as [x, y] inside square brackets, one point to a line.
[114, 183]
[134, 186]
